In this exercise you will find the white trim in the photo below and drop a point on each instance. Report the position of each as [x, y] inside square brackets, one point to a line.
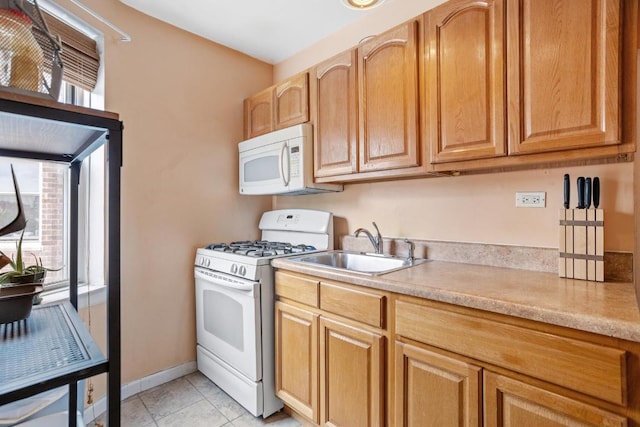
[138, 386]
[96, 294]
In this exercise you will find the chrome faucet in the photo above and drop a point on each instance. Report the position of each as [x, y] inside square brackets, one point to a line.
[412, 247]
[375, 241]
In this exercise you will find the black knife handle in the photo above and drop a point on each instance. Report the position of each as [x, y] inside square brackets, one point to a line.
[587, 193]
[580, 193]
[596, 192]
[567, 190]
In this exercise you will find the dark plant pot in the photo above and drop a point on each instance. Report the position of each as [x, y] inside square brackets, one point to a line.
[16, 301]
[34, 278]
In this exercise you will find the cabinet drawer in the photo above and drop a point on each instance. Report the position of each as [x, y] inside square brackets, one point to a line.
[365, 307]
[297, 288]
[585, 367]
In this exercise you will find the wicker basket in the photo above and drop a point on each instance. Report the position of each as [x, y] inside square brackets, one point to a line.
[29, 55]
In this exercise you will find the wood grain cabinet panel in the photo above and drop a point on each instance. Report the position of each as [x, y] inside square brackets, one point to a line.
[511, 403]
[335, 94]
[564, 68]
[589, 368]
[297, 288]
[258, 114]
[363, 306]
[297, 359]
[388, 72]
[433, 390]
[291, 103]
[352, 371]
[277, 107]
[331, 372]
[465, 78]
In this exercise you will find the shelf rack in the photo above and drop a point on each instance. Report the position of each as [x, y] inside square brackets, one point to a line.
[38, 128]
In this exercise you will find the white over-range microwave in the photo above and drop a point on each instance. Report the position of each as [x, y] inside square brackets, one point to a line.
[280, 162]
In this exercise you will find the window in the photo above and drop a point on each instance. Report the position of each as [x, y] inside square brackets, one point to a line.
[43, 190]
[29, 177]
[44, 185]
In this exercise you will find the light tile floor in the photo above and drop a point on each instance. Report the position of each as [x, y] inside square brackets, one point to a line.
[192, 401]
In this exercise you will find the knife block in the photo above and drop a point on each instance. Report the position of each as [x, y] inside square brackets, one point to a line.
[581, 244]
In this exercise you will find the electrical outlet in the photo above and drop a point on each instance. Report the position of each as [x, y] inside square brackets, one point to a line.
[531, 199]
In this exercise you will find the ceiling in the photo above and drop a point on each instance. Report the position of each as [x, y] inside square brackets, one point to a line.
[270, 30]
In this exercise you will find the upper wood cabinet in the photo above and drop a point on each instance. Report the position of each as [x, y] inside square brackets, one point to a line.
[366, 107]
[465, 91]
[469, 85]
[564, 73]
[277, 107]
[388, 73]
[258, 114]
[335, 96]
[291, 104]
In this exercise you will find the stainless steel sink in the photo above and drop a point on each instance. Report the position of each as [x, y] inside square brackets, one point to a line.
[357, 262]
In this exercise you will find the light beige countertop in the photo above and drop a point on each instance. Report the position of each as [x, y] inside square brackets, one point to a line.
[608, 308]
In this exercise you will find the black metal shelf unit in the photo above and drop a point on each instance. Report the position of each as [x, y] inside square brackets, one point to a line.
[41, 130]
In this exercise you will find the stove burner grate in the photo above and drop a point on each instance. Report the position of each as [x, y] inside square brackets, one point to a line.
[260, 248]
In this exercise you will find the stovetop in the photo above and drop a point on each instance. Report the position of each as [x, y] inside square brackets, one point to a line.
[284, 232]
[246, 258]
[260, 248]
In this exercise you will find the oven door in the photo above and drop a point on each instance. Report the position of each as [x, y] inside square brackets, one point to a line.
[228, 320]
[265, 169]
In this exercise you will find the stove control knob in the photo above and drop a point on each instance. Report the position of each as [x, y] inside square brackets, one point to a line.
[234, 268]
[201, 261]
[242, 270]
[208, 262]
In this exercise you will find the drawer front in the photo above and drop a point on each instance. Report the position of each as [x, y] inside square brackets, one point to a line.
[365, 307]
[588, 368]
[297, 288]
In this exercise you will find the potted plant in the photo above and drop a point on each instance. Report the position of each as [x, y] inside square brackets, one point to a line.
[21, 273]
[21, 285]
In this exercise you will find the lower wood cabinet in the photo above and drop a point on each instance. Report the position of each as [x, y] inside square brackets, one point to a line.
[351, 376]
[509, 402]
[297, 359]
[330, 364]
[433, 390]
[447, 365]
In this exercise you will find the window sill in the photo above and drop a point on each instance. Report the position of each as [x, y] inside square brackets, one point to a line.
[87, 295]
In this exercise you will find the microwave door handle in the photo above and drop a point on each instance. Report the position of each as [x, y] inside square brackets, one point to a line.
[285, 178]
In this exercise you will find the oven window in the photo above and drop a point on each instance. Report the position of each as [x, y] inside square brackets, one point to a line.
[224, 318]
[261, 169]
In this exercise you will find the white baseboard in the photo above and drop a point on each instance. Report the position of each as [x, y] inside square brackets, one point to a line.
[138, 386]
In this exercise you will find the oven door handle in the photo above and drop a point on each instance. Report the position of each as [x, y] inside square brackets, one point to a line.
[218, 279]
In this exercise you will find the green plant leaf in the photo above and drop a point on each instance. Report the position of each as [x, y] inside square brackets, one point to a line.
[19, 267]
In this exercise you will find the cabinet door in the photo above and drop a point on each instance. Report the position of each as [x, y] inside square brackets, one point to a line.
[388, 73]
[297, 359]
[509, 402]
[433, 390]
[563, 65]
[292, 101]
[465, 75]
[351, 376]
[334, 93]
[258, 114]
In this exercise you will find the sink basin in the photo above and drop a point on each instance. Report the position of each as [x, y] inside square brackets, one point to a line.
[357, 262]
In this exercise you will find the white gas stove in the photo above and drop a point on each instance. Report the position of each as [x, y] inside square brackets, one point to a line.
[235, 303]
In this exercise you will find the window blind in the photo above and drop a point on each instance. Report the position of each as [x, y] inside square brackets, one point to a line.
[79, 54]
